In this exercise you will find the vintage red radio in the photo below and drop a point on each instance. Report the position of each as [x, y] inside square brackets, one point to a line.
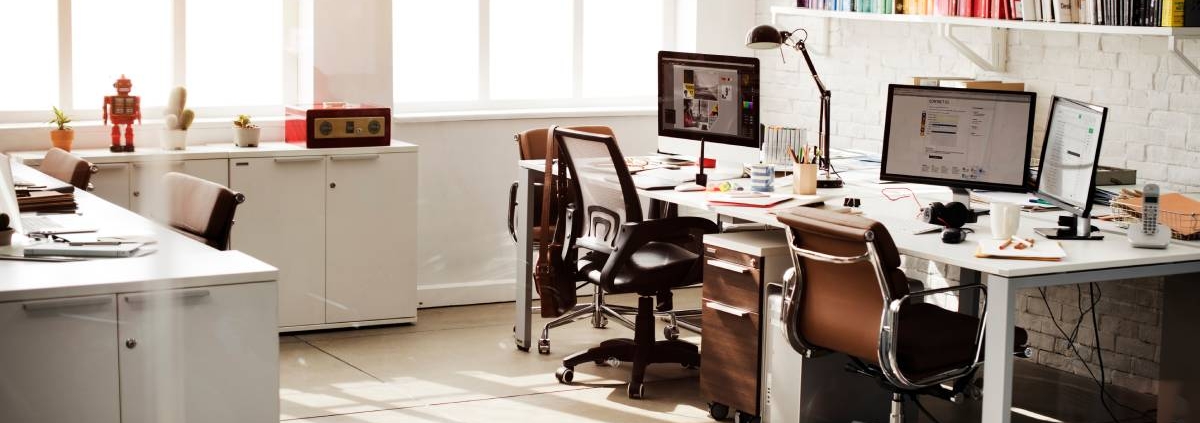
[337, 124]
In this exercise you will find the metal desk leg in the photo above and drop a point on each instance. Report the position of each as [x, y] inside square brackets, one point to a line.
[968, 301]
[522, 328]
[998, 348]
[1179, 374]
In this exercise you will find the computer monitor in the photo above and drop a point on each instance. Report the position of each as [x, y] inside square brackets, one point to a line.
[712, 98]
[1067, 171]
[960, 138]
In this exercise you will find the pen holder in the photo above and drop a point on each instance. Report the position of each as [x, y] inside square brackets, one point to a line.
[805, 182]
[6, 237]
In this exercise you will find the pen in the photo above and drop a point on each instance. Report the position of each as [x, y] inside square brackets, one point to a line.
[1039, 201]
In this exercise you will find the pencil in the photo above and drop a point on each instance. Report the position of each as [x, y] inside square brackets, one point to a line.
[1006, 243]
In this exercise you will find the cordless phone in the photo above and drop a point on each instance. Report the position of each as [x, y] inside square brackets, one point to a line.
[1150, 234]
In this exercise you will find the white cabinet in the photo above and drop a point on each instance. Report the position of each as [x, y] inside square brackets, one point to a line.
[58, 361]
[145, 181]
[282, 222]
[212, 335]
[111, 182]
[371, 259]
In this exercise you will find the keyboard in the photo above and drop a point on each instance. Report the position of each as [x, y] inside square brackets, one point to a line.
[61, 223]
[35, 224]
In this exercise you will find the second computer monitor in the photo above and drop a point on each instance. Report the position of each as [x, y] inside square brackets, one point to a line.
[707, 97]
[959, 138]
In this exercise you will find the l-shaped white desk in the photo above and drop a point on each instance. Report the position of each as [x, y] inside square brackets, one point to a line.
[1087, 261]
[187, 333]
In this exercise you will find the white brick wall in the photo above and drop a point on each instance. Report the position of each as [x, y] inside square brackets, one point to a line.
[1153, 126]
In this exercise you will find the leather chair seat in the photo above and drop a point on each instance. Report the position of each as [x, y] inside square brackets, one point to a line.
[655, 267]
[933, 339]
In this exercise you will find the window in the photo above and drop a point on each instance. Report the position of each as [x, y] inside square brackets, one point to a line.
[138, 39]
[527, 53]
[26, 81]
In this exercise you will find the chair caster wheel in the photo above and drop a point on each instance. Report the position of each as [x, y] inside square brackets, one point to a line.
[564, 375]
[671, 333]
[718, 411]
[637, 391]
[744, 417]
[543, 346]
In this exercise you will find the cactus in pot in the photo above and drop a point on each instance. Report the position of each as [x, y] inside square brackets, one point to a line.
[245, 134]
[177, 119]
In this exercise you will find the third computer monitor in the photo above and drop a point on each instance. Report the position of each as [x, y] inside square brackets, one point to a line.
[709, 97]
[1067, 170]
[959, 138]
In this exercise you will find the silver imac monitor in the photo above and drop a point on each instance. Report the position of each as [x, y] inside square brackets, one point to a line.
[960, 138]
[712, 98]
[1067, 171]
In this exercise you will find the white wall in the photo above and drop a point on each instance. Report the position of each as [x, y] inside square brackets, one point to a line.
[466, 167]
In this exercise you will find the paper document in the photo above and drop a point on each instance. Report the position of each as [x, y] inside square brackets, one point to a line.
[1041, 250]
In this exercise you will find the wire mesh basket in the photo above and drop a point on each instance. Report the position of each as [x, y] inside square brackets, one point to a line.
[1184, 226]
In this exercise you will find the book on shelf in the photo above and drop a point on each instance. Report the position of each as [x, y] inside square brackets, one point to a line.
[1167, 13]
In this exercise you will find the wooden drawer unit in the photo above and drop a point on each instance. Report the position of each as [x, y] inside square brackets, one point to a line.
[737, 266]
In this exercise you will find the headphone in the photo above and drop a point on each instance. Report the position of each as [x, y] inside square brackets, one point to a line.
[953, 215]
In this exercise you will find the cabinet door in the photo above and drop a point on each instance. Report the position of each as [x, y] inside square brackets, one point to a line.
[282, 223]
[59, 360]
[371, 230]
[200, 355]
[111, 182]
[146, 198]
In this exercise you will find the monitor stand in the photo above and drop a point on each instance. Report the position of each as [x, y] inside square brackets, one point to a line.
[1072, 228]
[961, 195]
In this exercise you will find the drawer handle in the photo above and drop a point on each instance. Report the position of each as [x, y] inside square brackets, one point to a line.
[730, 310]
[300, 159]
[729, 266]
[350, 157]
[65, 303]
[172, 295]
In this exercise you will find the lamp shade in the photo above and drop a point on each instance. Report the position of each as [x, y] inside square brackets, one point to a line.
[764, 37]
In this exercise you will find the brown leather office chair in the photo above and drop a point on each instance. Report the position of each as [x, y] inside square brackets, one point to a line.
[532, 146]
[201, 209]
[627, 254]
[847, 294]
[64, 166]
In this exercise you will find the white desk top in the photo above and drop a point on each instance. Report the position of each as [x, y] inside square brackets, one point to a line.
[1112, 252]
[180, 262]
[216, 151]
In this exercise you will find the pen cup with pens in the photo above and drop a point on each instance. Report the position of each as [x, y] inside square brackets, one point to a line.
[804, 166]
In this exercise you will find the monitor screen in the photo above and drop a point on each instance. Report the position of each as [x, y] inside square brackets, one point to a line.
[958, 137]
[709, 97]
[1067, 171]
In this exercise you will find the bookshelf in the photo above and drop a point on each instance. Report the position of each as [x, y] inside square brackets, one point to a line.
[999, 27]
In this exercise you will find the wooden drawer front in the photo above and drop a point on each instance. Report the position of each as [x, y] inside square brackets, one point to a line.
[732, 284]
[729, 351]
[741, 259]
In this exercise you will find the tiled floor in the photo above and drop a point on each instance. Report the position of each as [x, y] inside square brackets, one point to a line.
[459, 364]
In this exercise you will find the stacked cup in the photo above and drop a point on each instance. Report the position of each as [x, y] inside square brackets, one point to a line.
[762, 177]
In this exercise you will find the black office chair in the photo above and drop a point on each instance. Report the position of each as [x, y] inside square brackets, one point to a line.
[628, 254]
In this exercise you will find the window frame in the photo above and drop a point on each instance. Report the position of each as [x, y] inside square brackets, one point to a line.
[484, 103]
[85, 115]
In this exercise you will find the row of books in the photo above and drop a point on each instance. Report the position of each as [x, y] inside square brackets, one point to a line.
[1097, 12]
[46, 202]
[777, 140]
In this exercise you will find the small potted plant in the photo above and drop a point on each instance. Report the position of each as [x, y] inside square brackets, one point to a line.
[64, 136]
[245, 134]
[5, 231]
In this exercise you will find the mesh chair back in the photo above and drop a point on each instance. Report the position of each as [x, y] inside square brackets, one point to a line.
[600, 180]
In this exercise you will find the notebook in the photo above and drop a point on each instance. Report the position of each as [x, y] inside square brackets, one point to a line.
[1044, 250]
[64, 249]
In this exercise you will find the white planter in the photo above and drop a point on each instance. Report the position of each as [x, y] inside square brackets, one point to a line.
[174, 139]
[246, 137]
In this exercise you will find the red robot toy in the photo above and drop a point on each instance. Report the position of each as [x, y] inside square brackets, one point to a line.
[122, 109]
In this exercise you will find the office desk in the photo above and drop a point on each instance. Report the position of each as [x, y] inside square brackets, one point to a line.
[1087, 261]
[195, 339]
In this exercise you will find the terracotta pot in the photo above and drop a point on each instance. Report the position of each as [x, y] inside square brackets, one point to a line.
[62, 138]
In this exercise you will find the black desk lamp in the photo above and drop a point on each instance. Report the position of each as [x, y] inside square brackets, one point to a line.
[765, 37]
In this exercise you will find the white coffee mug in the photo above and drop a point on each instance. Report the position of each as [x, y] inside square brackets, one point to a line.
[1006, 219]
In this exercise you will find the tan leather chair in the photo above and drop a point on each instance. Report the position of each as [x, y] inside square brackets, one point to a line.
[67, 167]
[846, 294]
[201, 209]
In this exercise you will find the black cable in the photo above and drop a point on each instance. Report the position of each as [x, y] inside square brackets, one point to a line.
[917, 401]
[1073, 348]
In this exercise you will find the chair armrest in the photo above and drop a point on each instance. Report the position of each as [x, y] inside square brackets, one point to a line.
[635, 235]
[889, 336]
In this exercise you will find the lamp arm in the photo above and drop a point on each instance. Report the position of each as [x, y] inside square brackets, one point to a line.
[826, 95]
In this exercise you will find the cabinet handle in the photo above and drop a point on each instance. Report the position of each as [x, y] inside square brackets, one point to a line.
[728, 266]
[730, 310]
[102, 166]
[171, 163]
[172, 295]
[299, 159]
[130, 343]
[65, 303]
[350, 157]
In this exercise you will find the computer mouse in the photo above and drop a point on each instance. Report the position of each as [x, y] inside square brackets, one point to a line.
[689, 186]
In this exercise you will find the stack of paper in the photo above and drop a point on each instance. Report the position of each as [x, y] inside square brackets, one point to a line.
[1044, 250]
[46, 202]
